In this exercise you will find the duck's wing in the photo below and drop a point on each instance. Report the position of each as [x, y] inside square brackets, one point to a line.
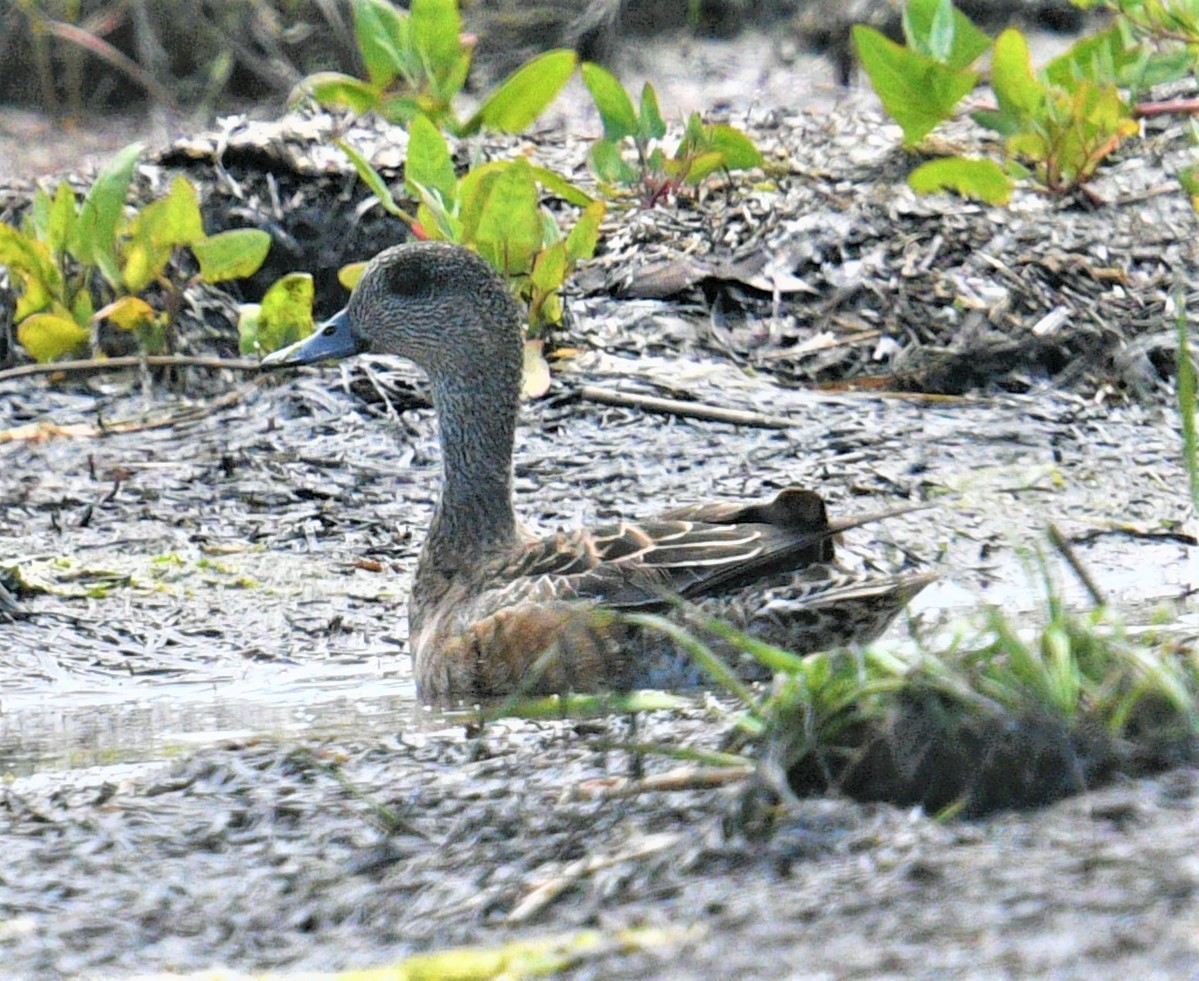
[692, 552]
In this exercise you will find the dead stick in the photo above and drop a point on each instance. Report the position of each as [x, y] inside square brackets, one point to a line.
[1066, 550]
[688, 410]
[681, 778]
[97, 365]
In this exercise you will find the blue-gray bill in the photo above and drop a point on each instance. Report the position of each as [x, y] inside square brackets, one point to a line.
[331, 340]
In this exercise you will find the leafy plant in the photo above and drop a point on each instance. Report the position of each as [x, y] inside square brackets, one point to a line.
[1058, 124]
[68, 255]
[494, 209]
[702, 150]
[1064, 130]
[417, 63]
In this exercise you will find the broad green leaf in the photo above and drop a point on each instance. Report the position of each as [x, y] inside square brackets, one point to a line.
[127, 312]
[283, 317]
[650, 125]
[47, 336]
[429, 163]
[102, 215]
[509, 232]
[581, 242]
[157, 229]
[916, 91]
[61, 219]
[980, 179]
[436, 29]
[473, 191]
[1019, 94]
[377, 25]
[1112, 56]
[734, 146]
[613, 102]
[524, 95]
[231, 255]
[701, 165]
[938, 29]
[609, 165]
[549, 268]
[560, 187]
[336, 89]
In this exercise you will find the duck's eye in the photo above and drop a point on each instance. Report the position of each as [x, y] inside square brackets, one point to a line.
[330, 330]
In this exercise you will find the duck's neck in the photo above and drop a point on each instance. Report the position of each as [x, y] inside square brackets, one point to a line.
[474, 515]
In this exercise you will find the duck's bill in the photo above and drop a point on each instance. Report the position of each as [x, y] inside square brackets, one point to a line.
[331, 340]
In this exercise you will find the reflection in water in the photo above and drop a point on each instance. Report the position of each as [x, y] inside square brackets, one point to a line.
[51, 730]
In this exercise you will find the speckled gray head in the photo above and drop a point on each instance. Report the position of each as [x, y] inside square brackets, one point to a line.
[430, 302]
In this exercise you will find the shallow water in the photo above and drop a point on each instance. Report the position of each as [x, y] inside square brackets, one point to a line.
[280, 631]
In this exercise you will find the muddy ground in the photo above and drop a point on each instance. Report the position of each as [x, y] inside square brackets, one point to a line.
[211, 747]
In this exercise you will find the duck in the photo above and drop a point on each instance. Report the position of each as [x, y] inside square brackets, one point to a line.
[496, 610]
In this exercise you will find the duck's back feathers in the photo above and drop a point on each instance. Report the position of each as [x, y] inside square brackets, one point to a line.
[766, 567]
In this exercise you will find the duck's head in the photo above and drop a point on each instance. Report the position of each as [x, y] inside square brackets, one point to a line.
[439, 305]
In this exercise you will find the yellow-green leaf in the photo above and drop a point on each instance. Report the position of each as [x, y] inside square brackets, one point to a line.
[128, 313]
[524, 95]
[47, 336]
[348, 275]
[336, 89]
[510, 229]
[429, 163]
[981, 179]
[615, 107]
[103, 215]
[581, 242]
[283, 317]
[231, 255]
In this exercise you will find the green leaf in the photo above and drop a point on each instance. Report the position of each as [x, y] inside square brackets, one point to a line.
[980, 179]
[157, 229]
[736, 149]
[47, 336]
[615, 108]
[283, 317]
[1019, 94]
[102, 215]
[437, 35]
[372, 179]
[335, 89]
[700, 166]
[429, 164]
[560, 187]
[509, 232]
[938, 29]
[524, 95]
[61, 219]
[581, 242]
[650, 125]
[231, 255]
[473, 191]
[608, 165]
[916, 91]
[377, 26]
